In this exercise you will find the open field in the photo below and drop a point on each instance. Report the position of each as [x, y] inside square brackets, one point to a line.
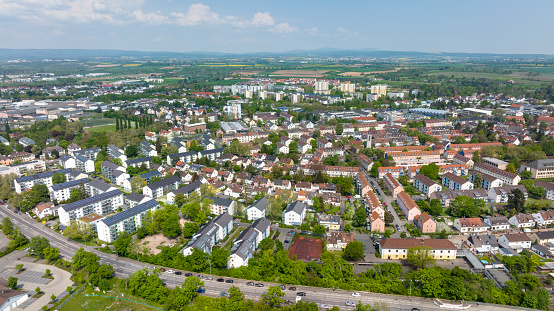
[361, 73]
[101, 128]
[540, 202]
[97, 122]
[153, 241]
[299, 73]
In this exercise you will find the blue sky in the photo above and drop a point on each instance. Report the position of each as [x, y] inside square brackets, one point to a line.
[489, 26]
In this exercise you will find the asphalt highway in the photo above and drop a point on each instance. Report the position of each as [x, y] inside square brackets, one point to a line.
[124, 267]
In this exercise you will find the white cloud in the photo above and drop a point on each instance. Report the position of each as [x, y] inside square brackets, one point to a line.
[197, 13]
[347, 32]
[343, 30]
[284, 28]
[150, 18]
[263, 19]
[313, 31]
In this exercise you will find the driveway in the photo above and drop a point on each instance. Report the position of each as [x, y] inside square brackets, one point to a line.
[388, 204]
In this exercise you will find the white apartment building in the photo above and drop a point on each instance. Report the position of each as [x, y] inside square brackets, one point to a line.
[129, 220]
[101, 204]
[23, 183]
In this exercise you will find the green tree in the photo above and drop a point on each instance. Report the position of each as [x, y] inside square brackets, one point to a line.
[389, 218]
[319, 230]
[220, 257]
[7, 226]
[181, 297]
[293, 147]
[477, 181]
[148, 285]
[122, 243]
[58, 178]
[137, 183]
[420, 256]
[360, 217]
[12, 282]
[464, 206]
[435, 207]
[516, 201]
[354, 251]
[273, 297]
[266, 244]
[190, 229]
[511, 169]
[53, 297]
[37, 290]
[51, 253]
[38, 245]
[431, 170]
[339, 129]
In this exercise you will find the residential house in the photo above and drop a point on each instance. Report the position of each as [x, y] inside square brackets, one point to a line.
[544, 218]
[454, 182]
[470, 225]
[338, 240]
[523, 220]
[294, 214]
[497, 223]
[425, 184]
[257, 209]
[545, 238]
[162, 187]
[219, 206]
[392, 185]
[426, 223]
[398, 248]
[407, 205]
[483, 243]
[43, 210]
[376, 222]
[501, 194]
[516, 241]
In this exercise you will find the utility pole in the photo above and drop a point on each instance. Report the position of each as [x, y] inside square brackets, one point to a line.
[410, 295]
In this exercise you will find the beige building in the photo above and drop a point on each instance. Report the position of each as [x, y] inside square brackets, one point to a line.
[392, 185]
[379, 89]
[540, 168]
[425, 223]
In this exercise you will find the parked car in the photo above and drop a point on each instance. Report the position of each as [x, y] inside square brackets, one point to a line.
[178, 272]
[188, 274]
[200, 290]
[283, 287]
[350, 304]
[223, 294]
[301, 294]
[162, 269]
[220, 280]
[355, 294]
[323, 306]
[169, 271]
[229, 281]
[249, 283]
[259, 285]
[292, 288]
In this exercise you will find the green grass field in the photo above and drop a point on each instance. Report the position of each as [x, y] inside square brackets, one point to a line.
[540, 202]
[101, 128]
[95, 303]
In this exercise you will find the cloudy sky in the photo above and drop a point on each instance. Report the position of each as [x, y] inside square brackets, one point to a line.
[494, 26]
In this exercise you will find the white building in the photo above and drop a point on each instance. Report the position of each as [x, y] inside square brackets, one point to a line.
[101, 204]
[294, 214]
[257, 209]
[24, 183]
[129, 220]
[523, 220]
[162, 187]
[498, 223]
[517, 241]
[62, 192]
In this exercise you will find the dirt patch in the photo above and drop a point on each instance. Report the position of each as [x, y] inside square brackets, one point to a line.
[153, 241]
[306, 249]
[352, 74]
[299, 73]
[247, 73]
[107, 65]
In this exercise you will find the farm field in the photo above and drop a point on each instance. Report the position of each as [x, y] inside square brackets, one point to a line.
[299, 73]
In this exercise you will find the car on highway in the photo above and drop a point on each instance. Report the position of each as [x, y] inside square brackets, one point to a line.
[283, 287]
[323, 306]
[200, 277]
[292, 288]
[188, 274]
[223, 294]
[169, 271]
[350, 304]
[355, 294]
[415, 309]
[162, 269]
[301, 294]
[178, 272]
[229, 281]
[200, 290]
[220, 280]
[259, 285]
[249, 283]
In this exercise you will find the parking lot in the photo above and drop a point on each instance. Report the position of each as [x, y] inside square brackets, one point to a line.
[34, 277]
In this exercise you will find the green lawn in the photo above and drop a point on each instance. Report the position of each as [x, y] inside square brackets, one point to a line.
[229, 244]
[540, 202]
[95, 303]
[101, 128]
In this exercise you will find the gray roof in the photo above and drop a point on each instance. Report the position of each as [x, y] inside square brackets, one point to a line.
[218, 201]
[135, 197]
[138, 160]
[261, 224]
[541, 164]
[82, 158]
[247, 243]
[188, 188]
[164, 182]
[42, 175]
[110, 165]
[90, 200]
[545, 235]
[182, 154]
[119, 217]
[69, 184]
[486, 239]
[212, 151]
[100, 185]
[223, 219]
[297, 207]
[260, 204]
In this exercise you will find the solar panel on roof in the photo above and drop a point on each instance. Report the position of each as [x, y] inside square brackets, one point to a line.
[130, 212]
[90, 200]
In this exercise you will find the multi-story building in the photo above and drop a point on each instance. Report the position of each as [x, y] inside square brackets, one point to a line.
[447, 196]
[234, 111]
[129, 220]
[210, 234]
[398, 248]
[24, 183]
[88, 153]
[379, 90]
[219, 206]
[187, 157]
[507, 178]
[84, 164]
[247, 242]
[392, 185]
[101, 204]
[376, 222]
[540, 168]
[487, 182]
[425, 223]
[469, 149]
[483, 243]
[116, 152]
[211, 154]
[517, 241]
[395, 171]
[257, 209]
[407, 205]
[523, 220]
[147, 149]
[185, 190]
[456, 169]
[460, 159]
[456, 182]
[138, 162]
[62, 192]
[544, 218]
[162, 187]
[425, 184]
[495, 162]
[501, 194]
[294, 214]
[416, 158]
[548, 187]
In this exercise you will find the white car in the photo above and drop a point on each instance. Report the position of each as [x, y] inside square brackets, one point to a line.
[355, 294]
[323, 305]
[170, 271]
[350, 304]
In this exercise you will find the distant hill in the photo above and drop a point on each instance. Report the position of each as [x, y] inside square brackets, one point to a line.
[56, 54]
